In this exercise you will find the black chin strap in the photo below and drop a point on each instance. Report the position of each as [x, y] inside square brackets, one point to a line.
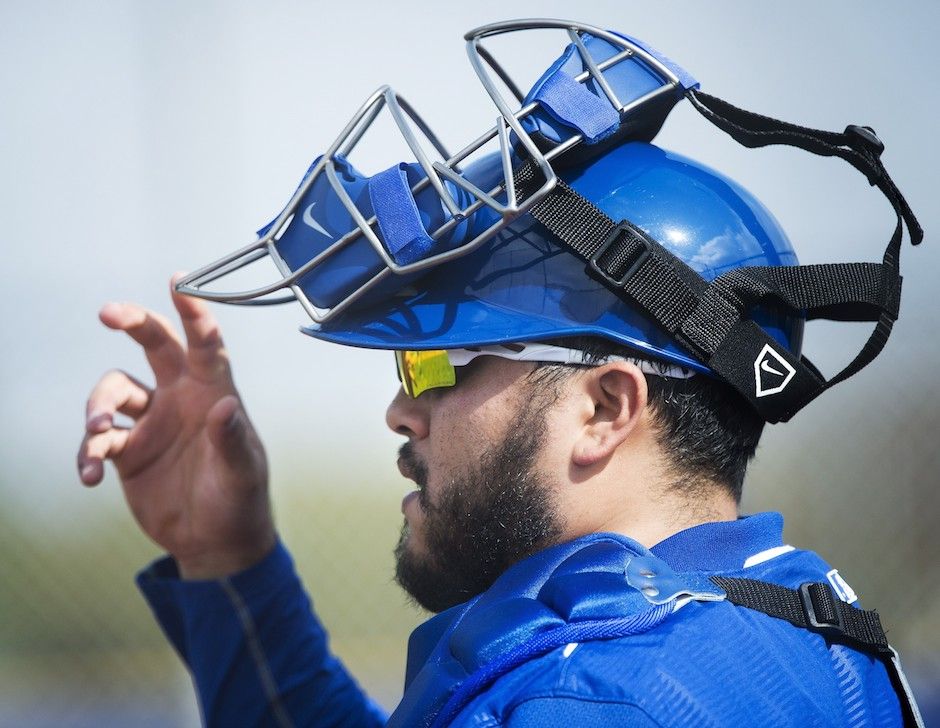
[712, 320]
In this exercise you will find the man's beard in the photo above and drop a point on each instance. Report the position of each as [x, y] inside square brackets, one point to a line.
[486, 519]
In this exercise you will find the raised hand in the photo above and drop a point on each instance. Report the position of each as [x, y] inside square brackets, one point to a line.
[192, 467]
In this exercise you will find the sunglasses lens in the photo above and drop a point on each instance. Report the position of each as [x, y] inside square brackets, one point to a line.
[423, 370]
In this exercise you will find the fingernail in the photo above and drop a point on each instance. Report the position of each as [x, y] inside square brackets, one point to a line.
[233, 422]
[110, 307]
[88, 471]
[98, 422]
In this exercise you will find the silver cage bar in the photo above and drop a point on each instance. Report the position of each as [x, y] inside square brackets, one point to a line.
[404, 116]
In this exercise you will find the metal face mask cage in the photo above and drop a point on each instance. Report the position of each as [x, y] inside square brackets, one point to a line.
[555, 92]
[364, 258]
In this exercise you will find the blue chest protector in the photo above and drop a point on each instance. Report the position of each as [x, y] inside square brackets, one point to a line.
[598, 631]
[492, 660]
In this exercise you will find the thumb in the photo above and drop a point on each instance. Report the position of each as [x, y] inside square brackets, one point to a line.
[230, 431]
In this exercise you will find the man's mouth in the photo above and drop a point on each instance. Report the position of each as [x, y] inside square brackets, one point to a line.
[411, 467]
[408, 498]
[404, 469]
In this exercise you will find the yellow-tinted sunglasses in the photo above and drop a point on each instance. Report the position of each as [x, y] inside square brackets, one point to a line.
[419, 371]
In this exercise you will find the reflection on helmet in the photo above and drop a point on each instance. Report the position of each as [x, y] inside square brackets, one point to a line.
[523, 286]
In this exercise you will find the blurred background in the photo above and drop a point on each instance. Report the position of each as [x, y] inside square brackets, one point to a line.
[140, 138]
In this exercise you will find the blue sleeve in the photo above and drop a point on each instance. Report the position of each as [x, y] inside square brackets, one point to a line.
[574, 712]
[257, 652]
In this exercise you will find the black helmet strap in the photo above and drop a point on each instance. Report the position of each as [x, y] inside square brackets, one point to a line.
[712, 319]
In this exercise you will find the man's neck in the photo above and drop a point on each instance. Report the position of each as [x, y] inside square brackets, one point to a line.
[644, 503]
[649, 528]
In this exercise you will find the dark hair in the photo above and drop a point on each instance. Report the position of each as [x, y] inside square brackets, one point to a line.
[707, 430]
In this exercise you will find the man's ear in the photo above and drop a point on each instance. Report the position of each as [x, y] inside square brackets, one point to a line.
[615, 397]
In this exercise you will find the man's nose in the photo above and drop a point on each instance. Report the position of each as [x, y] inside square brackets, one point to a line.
[408, 416]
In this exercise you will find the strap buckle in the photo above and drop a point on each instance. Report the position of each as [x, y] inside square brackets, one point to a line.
[614, 266]
[821, 608]
[864, 138]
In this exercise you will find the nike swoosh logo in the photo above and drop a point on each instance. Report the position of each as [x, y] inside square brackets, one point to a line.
[309, 219]
[765, 365]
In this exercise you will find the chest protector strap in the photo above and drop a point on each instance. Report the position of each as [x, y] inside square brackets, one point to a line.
[816, 608]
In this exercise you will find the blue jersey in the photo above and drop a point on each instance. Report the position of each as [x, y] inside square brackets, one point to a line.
[564, 637]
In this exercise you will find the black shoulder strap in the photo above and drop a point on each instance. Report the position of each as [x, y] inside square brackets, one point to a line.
[816, 608]
[712, 320]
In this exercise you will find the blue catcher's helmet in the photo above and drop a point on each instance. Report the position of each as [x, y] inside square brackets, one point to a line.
[474, 248]
[523, 286]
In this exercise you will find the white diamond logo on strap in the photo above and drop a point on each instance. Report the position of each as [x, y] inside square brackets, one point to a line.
[771, 372]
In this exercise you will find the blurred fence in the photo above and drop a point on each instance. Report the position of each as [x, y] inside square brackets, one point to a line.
[78, 646]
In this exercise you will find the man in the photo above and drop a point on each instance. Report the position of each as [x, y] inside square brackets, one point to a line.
[578, 434]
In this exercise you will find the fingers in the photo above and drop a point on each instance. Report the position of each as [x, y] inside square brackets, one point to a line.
[95, 449]
[206, 352]
[153, 332]
[116, 391]
[230, 431]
